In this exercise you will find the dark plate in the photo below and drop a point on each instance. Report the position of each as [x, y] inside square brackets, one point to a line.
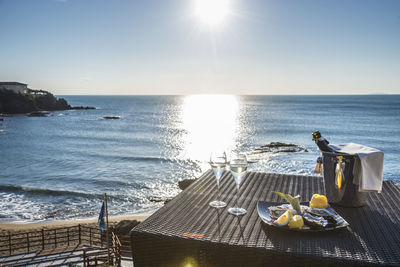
[263, 212]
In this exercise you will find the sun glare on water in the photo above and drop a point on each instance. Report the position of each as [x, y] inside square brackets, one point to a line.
[212, 12]
[210, 123]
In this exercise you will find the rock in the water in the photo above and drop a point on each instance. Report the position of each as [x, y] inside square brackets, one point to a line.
[160, 199]
[185, 183]
[111, 117]
[38, 114]
[263, 152]
[156, 199]
[82, 107]
[125, 226]
[276, 147]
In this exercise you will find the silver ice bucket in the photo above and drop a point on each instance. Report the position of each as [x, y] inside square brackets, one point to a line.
[348, 194]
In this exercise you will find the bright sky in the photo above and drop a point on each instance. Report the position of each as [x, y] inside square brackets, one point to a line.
[212, 46]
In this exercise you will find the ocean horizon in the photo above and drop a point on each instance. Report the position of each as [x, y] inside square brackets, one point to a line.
[58, 167]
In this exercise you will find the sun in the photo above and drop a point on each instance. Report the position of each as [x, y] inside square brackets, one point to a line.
[212, 12]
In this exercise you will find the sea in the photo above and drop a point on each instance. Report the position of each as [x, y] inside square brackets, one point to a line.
[59, 167]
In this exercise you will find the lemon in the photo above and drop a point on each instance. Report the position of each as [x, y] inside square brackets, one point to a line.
[296, 222]
[290, 214]
[319, 201]
[284, 218]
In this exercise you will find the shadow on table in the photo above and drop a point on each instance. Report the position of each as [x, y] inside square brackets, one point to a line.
[285, 240]
[369, 238]
[377, 233]
[236, 225]
[218, 213]
[241, 235]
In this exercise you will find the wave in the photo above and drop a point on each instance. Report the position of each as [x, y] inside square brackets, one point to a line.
[115, 183]
[147, 159]
[50, 192]
[143, 159]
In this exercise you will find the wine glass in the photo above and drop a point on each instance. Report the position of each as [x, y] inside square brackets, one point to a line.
[238, 166]
[218, 165]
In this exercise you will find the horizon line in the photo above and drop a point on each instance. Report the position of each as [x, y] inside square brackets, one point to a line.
[369, 94]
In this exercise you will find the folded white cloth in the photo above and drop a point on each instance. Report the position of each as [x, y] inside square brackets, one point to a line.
[368, 167]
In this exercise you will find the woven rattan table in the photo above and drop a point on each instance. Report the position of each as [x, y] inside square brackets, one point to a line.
[187, 231]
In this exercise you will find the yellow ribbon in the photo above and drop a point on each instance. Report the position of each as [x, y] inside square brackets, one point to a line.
[339, 173]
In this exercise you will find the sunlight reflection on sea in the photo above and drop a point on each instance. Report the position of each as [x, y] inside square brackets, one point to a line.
[59, 167]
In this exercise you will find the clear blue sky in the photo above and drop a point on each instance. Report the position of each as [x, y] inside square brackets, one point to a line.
[163, 47]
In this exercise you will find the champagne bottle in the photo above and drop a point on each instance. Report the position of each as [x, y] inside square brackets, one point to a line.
[321, 142]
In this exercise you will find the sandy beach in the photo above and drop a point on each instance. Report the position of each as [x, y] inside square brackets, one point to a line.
[15, 227]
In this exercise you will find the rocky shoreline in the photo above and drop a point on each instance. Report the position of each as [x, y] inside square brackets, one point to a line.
[34, 103]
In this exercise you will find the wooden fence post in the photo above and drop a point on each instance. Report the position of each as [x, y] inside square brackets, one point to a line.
[27, 241]
[42, 239]
[79, 230]
[68, 235]
[55, 237]
[84, 258]
[90, 236]
[9, 241]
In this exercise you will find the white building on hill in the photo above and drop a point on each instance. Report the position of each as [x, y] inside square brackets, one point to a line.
[14, 86]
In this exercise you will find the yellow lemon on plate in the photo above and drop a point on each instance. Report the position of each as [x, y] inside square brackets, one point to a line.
[319, 202]
[296, 222]
[284, 218]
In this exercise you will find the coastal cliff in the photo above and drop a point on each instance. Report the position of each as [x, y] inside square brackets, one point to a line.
[34, 100]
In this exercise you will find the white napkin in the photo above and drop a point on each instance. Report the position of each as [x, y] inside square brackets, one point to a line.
[368, 167]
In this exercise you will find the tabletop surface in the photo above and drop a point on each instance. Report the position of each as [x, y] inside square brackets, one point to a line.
[373, 234]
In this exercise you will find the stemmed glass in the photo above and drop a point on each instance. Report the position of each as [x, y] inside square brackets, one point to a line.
[218, 164]
[238, 166]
